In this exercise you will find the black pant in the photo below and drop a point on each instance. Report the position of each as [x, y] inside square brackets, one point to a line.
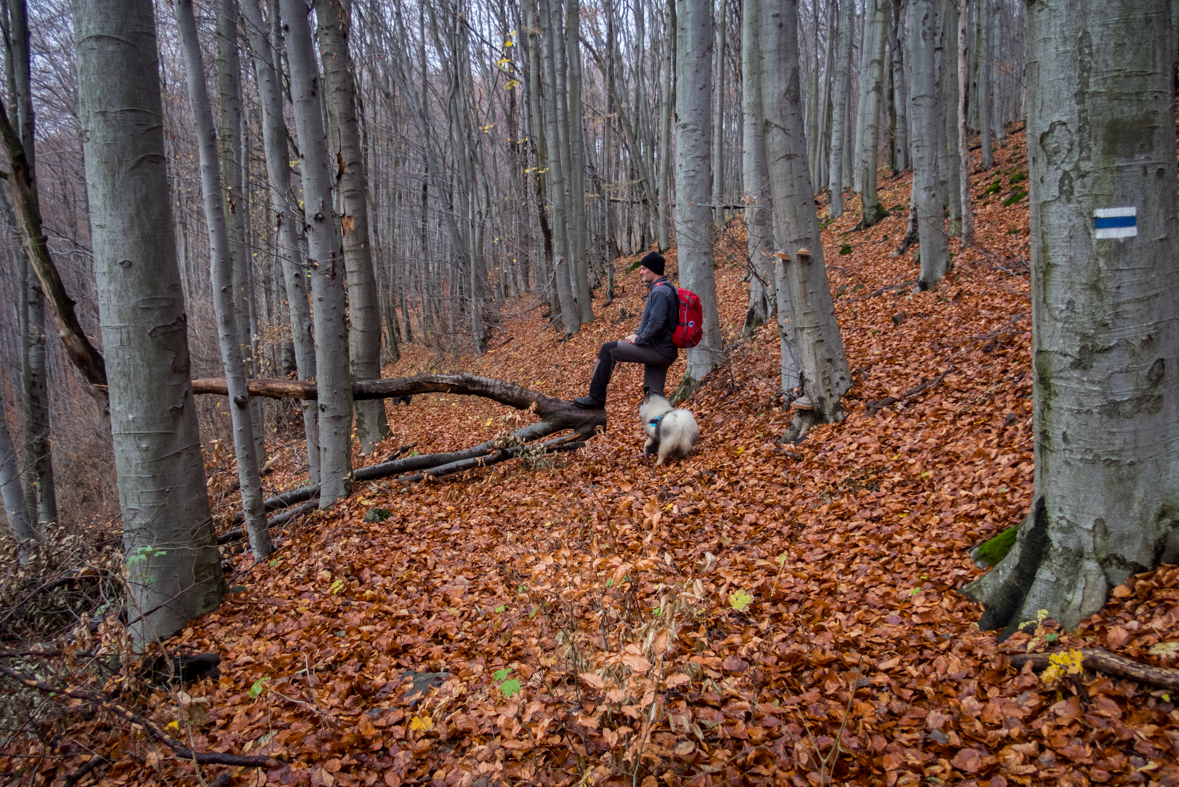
[655, 365]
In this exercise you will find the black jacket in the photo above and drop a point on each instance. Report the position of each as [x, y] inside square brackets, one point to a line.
[661, 315]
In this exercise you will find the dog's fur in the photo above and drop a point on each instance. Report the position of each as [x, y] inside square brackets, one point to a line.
[671, 434]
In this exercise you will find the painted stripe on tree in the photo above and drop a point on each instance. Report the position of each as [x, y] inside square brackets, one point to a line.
[1115, 222]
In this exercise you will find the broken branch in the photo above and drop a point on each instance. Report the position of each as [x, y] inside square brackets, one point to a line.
[114, 709]
[1101, 660]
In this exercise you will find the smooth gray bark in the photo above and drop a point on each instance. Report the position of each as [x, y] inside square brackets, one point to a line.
[24, 530]
[666, 113]
[983, 98]
[718, 122]
[923, 88]
[556, 176]
[839, 110]
[693, 218]
[963, 70]
[875, 34]
[221, 267]
[758, 205]
[946, 59]
[822, 364]
[899, 92]
[326, 261]
[173, 567]
[41, 493]
[997, 81]
[233, 178]
[1105, 341]
[364, 311]
[577, 215]
[287, 214]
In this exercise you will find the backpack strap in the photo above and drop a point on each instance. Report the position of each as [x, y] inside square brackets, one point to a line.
[675, 311]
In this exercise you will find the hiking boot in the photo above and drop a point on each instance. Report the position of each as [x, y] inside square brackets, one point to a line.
[589, 403]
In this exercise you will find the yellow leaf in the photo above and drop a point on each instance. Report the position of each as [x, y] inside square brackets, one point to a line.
[421, 724]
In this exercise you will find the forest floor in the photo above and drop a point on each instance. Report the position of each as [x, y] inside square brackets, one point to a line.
[756, 614]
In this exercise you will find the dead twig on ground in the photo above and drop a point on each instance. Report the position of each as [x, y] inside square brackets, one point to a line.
[148, 726]
[872, 406]
[1102, 660]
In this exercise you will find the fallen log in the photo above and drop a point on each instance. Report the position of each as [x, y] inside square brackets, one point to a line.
[559, 411]
[1101, 660]
[409, 464]
[308, 495]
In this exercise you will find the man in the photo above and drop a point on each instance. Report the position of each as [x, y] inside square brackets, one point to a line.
[650, 345]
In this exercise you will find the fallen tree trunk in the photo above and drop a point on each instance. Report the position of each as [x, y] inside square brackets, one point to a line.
[463, 384]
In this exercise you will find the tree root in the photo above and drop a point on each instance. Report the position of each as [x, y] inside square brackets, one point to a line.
[872, 406]
[1101, 660]
[114, 709]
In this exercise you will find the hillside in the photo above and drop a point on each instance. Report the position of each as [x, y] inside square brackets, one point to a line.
[756, 614]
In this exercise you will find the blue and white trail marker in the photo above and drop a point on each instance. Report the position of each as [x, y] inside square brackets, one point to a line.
[1115, 222]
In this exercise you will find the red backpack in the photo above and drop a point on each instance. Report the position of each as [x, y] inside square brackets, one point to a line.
[690, 328]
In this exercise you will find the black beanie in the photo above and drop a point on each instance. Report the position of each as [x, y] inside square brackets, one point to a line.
[653, 262]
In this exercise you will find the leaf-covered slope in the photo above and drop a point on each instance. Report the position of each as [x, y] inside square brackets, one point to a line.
[755, 614]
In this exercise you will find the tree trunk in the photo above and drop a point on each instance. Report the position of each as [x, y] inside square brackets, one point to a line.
[718, 123]
[1104, 204]
[899, 93]
[26, 202]
[577, 230]
[241, 413]
[946, 59]
[983, 98]
[839, 110]
[825, 377]
[173, 568]
[287, 213]
[759, 208]
[693, 219]
[923, 88]
[556, 177]
[364, 312]
[997, 81]
[963, 108]
[666, 113]
[24, 530]
[41, 495]
[233, 178]
[325, 260]
[872, 212]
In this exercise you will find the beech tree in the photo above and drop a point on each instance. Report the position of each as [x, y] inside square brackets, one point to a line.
[173, 567]
[803, 285]
[839, 124]
[41, 496]
[326, 260]
[287, 213]
[693, 217]
[923, 139]
[1104, 239]
[364, 312]
[24, 530]
[758, 205]
[875, 35]
[240, 411]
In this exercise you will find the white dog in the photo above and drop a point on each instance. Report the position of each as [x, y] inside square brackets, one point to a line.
[671, 434]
